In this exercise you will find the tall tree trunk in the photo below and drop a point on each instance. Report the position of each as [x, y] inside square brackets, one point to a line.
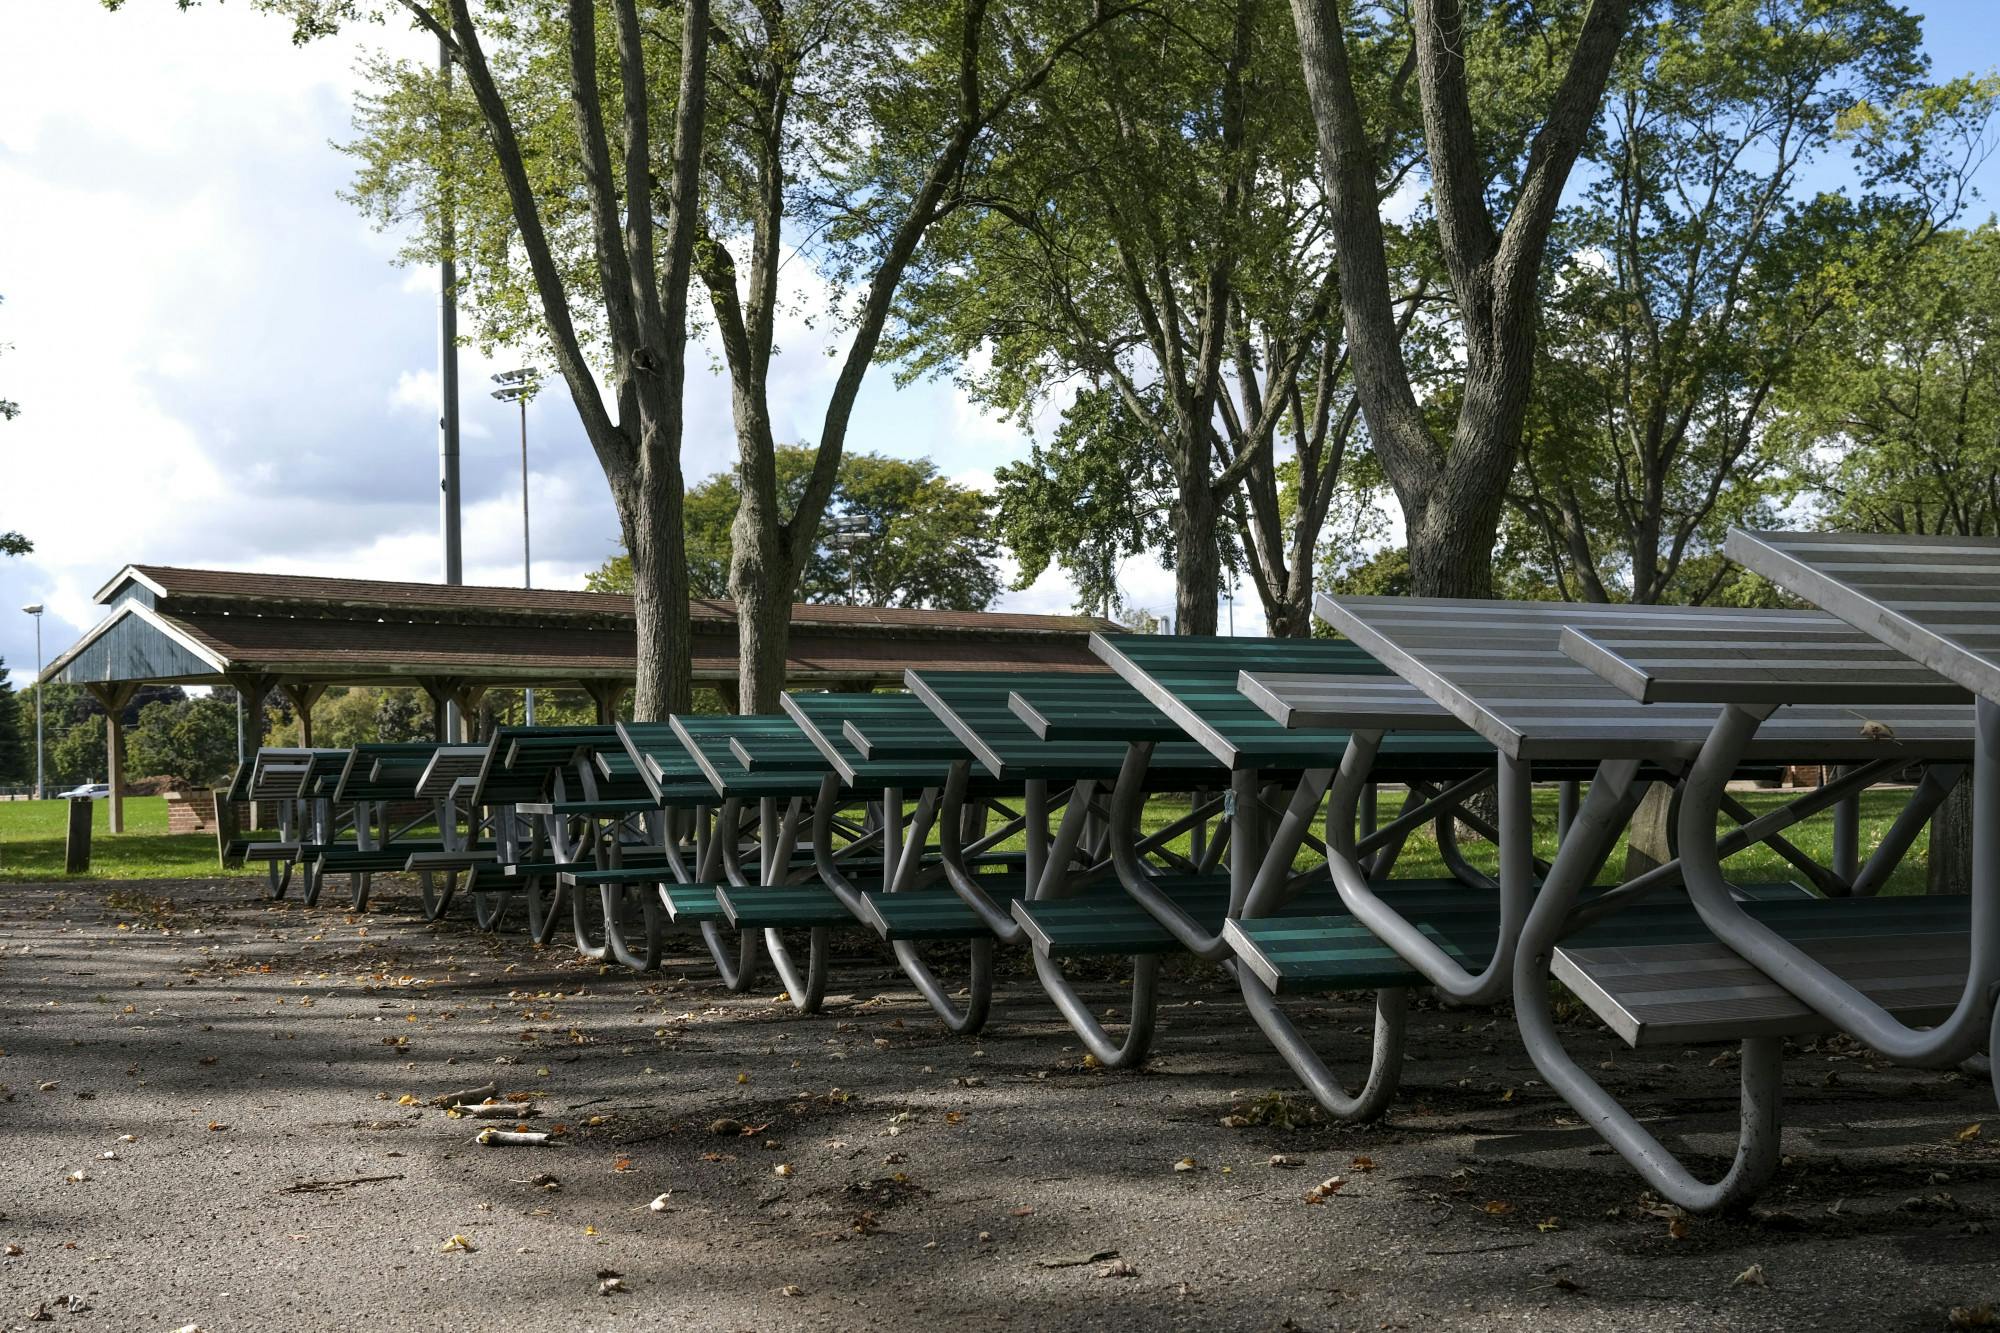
[761, 581]
[650, 512]
[1198, 566]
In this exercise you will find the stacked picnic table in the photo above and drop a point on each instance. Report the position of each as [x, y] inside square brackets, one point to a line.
[1228, 801]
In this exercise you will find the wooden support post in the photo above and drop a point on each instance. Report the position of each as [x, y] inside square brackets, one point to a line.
[113, 696]
[76, 839]
[605, 694]
[251, 687]
[303, 697]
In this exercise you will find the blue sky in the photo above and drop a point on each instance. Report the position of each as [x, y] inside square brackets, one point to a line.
[219, 364]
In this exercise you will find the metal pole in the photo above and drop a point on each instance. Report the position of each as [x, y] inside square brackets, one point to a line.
[454, 567]
[527, 552]
[41, 779]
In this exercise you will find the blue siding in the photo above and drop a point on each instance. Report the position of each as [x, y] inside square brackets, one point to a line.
[133, 650]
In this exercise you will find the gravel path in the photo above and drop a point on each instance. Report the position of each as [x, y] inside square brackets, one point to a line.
[216, 1115]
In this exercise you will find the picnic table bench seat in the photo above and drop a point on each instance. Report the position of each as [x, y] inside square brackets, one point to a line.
[337, 860]
[1653, 971]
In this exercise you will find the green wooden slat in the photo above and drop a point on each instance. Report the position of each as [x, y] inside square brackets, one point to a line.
[693, 904]
[932, 914]
[789, 905]
[975, 705]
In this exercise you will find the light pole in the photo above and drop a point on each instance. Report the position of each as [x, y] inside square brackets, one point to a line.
[518, 386]
[847, 533]
[41, 788]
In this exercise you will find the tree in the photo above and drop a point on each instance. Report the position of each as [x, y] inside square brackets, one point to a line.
[1151, 231]
[921, 538]
[1093, 497]
[1449, 459]
[190, 738]
[601, 250]
[1691, 275]
[857, 124]
[17, 761]
[1896, 408]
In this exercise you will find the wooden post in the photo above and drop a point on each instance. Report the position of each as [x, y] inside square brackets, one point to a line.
[113, 696]
[605, 694]
[76, 839]
[303, 697]
[251, 687]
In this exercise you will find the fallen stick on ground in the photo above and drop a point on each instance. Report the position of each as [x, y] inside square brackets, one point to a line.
[511, 1138]
[498, 1110]
[485, 1092]
[322, 1186]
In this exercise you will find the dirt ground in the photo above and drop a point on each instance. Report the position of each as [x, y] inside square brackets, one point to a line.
[215, 1115]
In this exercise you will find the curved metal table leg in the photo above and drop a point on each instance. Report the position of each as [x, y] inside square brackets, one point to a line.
[489, 909]
[357, 898]
[652, 915]
[434, 903]
[738, 973]
[979, 985]
[1757, 1142]
[809, 991]
[1385, 1061]
[276, 883]
[544, 906]
[579, 927]
[1129, 1053]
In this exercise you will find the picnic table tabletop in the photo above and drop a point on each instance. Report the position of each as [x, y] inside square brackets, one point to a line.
[1933, 599]
[671, 774]
[976, 707]
[1499, 667]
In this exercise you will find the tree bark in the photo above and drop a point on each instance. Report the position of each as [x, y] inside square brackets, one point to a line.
[1451, 494]
[1198, 566]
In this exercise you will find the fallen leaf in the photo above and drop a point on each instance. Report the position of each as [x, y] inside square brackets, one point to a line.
[622, 1164]
[1678, 1228]
[13, 1251]
[1498, 1207]
[457, 1245]
[1549, 1224]
[659, 1205]
[608, 1285]
[1076, 1260]
[1282, 1159]
[1325, 1190]
[1363, 1164]
[1118, 1268]
[1972, 1316]
[1970, 1132]
[1020, 1212]
[791, 1289]
[216, 1126]
[1753, 1276]
[725, 1126]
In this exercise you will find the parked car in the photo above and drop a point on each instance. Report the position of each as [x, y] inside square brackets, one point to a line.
[89, 791]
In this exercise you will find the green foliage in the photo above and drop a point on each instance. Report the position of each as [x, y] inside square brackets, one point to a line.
[17, 763]
[924, 540]
[362, 715]
[1087, 501]
[1896, 409]
[191, 738]
[1690, 275]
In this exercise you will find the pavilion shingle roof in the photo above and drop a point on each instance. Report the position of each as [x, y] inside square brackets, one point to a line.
[308, 628]
[215, 587]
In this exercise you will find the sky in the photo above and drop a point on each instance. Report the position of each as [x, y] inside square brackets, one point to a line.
[219, 363]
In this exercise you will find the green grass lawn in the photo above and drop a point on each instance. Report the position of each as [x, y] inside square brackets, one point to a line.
[31, 842]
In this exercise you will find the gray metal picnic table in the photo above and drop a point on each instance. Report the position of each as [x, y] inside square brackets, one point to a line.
[1499, 669]
[1929, 600]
